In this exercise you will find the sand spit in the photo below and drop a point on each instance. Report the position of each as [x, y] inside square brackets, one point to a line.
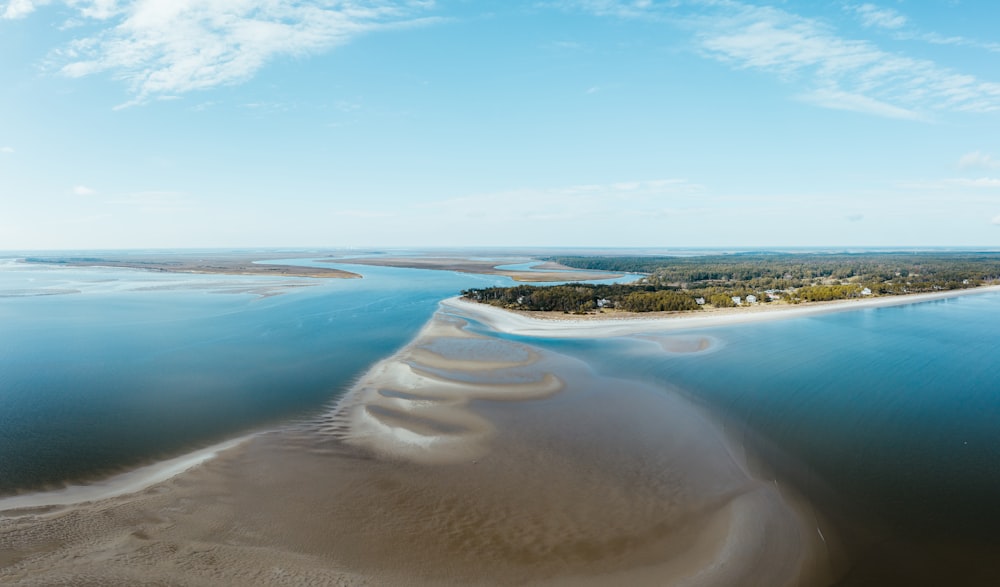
[130, 482]
[464, 459]
[524, 325]
[541, 273]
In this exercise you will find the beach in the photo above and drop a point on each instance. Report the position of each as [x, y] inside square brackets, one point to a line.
[462, 459]
[559, 325]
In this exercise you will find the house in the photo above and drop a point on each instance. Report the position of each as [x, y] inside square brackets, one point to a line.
[603, 303]
[737, 300]
[700, 301]
[751, 299]
[866, 292]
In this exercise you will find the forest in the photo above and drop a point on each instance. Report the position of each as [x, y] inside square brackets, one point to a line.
[674, 284]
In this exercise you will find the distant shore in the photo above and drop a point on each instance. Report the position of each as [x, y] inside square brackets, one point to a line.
[558, 325]
[542, 272]
[213, 265]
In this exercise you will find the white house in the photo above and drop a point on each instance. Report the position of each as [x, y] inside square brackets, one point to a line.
[603, 303]
[866, 292]
[700, 301]
[751, 299]
[738, 300]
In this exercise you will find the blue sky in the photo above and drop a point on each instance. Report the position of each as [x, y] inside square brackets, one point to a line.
[640, 123]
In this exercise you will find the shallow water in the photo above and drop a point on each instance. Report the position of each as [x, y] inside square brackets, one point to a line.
[138, 365]
[886, 419]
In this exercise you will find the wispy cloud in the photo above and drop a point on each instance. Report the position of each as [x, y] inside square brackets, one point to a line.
[978, 159]
[164, 48]
[830, 70]
[615, 8]
[82, 190]
[844, 73]
[6, 150]
[20, 8]
[900, 28]
[875, 17]
[996, 220]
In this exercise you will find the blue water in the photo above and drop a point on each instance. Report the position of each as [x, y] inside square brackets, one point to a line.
[894, 410]
[137, 366]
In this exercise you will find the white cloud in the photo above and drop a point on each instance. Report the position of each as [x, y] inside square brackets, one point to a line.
[170, 47]
[996, 220]
[20, 8]
[845, 73]
[978, 159]
[6, 150]
[831, 71]
[873, 16]
[838, 100]
[82, 190]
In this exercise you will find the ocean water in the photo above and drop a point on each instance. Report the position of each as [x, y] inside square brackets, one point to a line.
[106, 369]
[887, 420]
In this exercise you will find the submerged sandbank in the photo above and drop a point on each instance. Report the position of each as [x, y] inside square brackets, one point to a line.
[506, 464]
[555, 475]
[520, 323]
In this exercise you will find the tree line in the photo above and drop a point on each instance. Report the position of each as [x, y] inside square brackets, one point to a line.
[674, 284]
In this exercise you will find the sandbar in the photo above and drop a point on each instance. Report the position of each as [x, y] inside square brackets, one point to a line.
[543, 272]
[214, 264]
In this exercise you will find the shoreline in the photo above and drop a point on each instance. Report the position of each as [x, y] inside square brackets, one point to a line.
[126, 483]
[552, 272]
[532, 324]
[501, 320]
[200, 266]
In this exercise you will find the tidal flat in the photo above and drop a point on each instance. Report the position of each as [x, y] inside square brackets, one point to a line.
[524, 467]
[371, 434]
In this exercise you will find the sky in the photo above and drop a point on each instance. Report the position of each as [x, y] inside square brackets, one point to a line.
[452, 123]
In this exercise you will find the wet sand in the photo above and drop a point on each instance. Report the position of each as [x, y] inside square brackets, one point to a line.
[461, 460]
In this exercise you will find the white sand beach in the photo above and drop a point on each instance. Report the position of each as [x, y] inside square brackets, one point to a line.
[557, 326]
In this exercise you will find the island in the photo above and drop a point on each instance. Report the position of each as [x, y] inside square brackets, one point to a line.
[746, 281]
[212, 262]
